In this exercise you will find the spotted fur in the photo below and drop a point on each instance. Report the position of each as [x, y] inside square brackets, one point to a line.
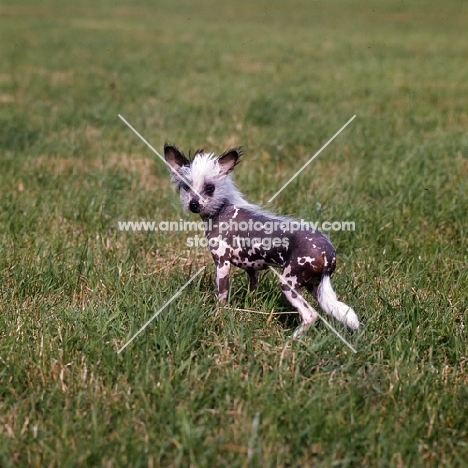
[307, 257]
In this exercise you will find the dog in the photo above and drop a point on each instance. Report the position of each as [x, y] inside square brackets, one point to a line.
[242, 234]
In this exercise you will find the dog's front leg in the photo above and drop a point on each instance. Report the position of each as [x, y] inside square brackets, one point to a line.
[222, 280]
[253, 279]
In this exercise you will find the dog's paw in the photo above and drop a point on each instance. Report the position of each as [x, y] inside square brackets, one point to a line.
[298, 332]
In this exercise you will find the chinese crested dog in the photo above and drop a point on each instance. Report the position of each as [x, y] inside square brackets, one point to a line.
[241, 234]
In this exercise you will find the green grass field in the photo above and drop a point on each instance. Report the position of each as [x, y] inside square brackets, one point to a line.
[206, 386]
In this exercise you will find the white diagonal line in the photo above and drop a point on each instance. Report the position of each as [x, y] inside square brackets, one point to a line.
[159, 155]
[312, 158]
[160, 310]
[253, 436]
[281, 277]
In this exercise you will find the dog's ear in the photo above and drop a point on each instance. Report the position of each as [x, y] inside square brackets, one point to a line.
[229, 159]
[175, 158]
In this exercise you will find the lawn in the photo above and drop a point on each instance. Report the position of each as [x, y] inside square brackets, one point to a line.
[211, 386]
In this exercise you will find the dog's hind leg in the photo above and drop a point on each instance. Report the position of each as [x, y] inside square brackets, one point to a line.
[312, 286]
[307, 312]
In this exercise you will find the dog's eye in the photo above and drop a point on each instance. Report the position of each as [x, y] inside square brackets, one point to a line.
[209, 189]
[184, 187]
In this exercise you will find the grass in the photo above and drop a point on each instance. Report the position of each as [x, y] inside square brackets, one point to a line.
[204, 385]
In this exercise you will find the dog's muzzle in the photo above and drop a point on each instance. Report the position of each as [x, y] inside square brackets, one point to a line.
[194, 206]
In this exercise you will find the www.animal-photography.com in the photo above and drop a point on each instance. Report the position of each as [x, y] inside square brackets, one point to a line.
[233, 233]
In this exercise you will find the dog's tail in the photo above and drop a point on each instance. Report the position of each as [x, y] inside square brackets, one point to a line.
[331, 305]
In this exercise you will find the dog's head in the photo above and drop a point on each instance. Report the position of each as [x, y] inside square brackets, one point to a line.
[203, 182]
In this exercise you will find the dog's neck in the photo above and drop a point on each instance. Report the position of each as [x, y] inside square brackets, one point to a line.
[216, 215]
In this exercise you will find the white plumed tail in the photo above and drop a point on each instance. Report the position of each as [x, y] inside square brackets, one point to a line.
[331, 305]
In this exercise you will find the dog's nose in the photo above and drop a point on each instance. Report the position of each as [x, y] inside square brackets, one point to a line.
[194, 206]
